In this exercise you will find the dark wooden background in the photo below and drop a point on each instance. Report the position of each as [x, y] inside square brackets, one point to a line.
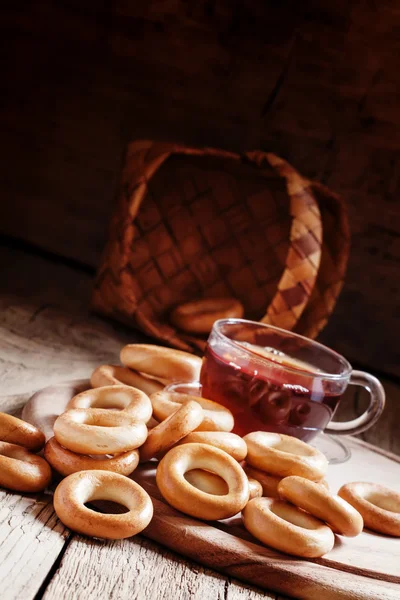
[315, 81]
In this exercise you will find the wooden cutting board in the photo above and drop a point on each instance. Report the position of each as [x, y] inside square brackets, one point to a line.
[366, 567]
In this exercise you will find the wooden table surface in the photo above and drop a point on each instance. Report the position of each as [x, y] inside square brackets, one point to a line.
[47, 336]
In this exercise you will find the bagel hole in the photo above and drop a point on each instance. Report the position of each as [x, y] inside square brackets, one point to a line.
[113, 400]
[295, 516]
[219, 487]
[101, 422]
[107, 507]
[13, 456]
[384, 502]
[159, 380]
[109, 405]
[100, 456]
[115, 418]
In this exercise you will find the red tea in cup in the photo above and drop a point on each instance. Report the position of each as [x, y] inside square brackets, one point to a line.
[275, 380]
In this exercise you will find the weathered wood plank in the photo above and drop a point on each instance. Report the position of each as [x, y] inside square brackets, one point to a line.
[31, 538]
[139, 570]
[239, 556]
[46, 334]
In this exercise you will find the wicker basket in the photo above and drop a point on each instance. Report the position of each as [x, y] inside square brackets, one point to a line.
[207, 223]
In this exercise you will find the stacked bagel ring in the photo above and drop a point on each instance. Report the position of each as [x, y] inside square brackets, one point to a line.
[95, 445]
[97, 439]
[21, 469]
[93, 434]
[92, 427]
[299, 515]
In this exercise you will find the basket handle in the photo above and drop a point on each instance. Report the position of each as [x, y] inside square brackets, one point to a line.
[304, 255]
[334, 259]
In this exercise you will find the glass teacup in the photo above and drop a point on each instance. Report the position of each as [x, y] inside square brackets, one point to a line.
[276, 380]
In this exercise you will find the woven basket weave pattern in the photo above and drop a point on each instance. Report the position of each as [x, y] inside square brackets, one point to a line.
[194, 223]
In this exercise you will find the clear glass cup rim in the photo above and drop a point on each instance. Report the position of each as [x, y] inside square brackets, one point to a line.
[347, 368]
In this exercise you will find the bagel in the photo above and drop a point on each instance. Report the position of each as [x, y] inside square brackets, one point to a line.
[162, 363]
[77, 489]
[165, 435]
[255, 488]
[22, 471]
[199, 316]
[66, 462]
[378, 505]
[114, 375]
[99, 431]
[270, 483]
[185, 497]
[284, 455]
[129, 399]
[216, 417]
[152, 423]
[287, 528]
[16, 431]
[316, 500]
[230, 443]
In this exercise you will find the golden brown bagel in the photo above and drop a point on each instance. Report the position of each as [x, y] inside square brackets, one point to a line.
[183, 496]
[317, 500]
[199, 316]
[66, 462]
[255, 487]
[99, 431]
[379, 506]
[269, 483]
[152, 423]
[165, 435]
[129, 399]
[22, 471]
[287, 528]
[16, 431]
[284, 455]
[230, 443]
[162, 363]
[115, 375]
[77, 489]
[216, 417]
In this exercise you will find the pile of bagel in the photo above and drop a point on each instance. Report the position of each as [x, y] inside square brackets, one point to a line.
[204, 470]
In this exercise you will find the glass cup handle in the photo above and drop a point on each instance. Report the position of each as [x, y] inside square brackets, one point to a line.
[373, 412]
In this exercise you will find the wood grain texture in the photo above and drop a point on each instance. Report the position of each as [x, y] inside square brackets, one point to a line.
[138, 569]
[31, 538]
[247, 560]
[314, 82]
[46, 334]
